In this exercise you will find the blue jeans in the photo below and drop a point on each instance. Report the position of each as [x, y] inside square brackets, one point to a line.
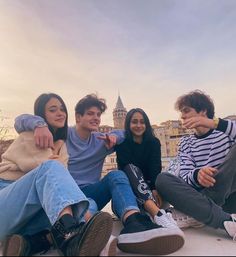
[114, 186]
[34, 202]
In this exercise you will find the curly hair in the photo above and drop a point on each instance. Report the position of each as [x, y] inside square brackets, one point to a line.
[197, 100]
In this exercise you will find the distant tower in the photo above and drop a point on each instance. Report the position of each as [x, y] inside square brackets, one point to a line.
[119, 114]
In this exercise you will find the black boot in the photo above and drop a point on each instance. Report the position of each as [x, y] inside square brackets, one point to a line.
[18, 245]
[84, 239]
[64, 231]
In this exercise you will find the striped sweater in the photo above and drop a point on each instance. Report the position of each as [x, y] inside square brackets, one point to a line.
[196, 152]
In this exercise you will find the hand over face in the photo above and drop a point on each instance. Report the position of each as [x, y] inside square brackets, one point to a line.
[198, 121]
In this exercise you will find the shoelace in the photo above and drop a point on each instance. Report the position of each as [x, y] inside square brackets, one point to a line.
[166, 220]
[71, 232]
[169, 215]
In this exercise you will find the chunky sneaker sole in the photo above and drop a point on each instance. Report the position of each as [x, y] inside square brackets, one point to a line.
[15, 245]
[111, 247]
[230, 227]
[95, 235]
[159, 241]
[184, 221]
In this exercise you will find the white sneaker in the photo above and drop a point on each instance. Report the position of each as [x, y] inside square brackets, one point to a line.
[184, 221]
[230, 227]
[110, 248]
[165, 220]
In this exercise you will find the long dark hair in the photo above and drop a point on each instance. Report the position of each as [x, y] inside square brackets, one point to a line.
[39, 110]
[148, 134]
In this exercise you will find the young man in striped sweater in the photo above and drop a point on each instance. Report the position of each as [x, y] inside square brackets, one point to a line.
[205, 187]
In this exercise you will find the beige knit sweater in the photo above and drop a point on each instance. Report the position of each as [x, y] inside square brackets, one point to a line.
[22, 156]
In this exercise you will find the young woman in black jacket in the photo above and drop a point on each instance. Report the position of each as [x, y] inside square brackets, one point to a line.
[139, 156]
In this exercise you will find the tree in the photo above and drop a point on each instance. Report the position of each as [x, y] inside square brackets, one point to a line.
[4, 129]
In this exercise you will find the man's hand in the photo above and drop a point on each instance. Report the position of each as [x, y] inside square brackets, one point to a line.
[206, 176]
[199, 121]
[110, 140]
[57, 146]
[43, 138]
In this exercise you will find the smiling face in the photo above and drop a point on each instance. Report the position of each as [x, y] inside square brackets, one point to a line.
[55, 113]
[90, 120]
[137, 125]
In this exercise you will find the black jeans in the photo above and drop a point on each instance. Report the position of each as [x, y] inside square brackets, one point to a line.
[140, 188]
[206, 205]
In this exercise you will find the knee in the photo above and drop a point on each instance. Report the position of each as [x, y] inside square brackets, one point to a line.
[93, 208]
[232, 151]
[117, 176]
[162, 180]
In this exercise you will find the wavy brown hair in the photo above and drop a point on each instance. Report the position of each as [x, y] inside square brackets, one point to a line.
[197, 100]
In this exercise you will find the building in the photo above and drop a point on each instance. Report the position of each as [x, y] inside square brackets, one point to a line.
[109, 164]
[105, 129]
[119, 114]
[169, 134]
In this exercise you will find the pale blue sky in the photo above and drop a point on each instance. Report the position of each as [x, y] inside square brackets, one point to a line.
[152, 51]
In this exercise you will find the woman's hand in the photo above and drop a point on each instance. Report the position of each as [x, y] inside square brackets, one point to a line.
[157, 198]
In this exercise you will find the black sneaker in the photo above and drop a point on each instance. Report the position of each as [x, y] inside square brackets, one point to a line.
[18, 245]
[84, 239]
[141, 235]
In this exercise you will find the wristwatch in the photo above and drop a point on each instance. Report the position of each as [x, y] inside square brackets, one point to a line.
[40, 124]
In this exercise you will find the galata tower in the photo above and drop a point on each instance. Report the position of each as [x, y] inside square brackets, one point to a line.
[119, 114]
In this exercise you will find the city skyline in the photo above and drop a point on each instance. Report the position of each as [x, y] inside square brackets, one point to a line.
[150, 52]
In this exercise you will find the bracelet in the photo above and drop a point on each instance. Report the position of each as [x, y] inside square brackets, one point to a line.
[41, 124]
[216, 122]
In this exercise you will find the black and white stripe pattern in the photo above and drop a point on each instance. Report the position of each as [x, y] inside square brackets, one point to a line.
[210, 150]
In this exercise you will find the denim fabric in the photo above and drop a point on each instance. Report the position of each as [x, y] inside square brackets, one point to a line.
[34, 202]
[114, 186]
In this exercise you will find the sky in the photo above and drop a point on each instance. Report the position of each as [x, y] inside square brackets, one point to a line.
[148, 51]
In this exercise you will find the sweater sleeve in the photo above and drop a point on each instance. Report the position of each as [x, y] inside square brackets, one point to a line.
[228, 127]
[187, 166]
[120, 134]
[27, 122]
[154, 163]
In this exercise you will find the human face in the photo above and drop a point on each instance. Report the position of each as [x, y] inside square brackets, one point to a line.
[55, 114]
[91, 119]
[189, 112]
[137, 125]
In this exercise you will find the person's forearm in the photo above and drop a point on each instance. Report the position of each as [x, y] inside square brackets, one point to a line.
[27, 122]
